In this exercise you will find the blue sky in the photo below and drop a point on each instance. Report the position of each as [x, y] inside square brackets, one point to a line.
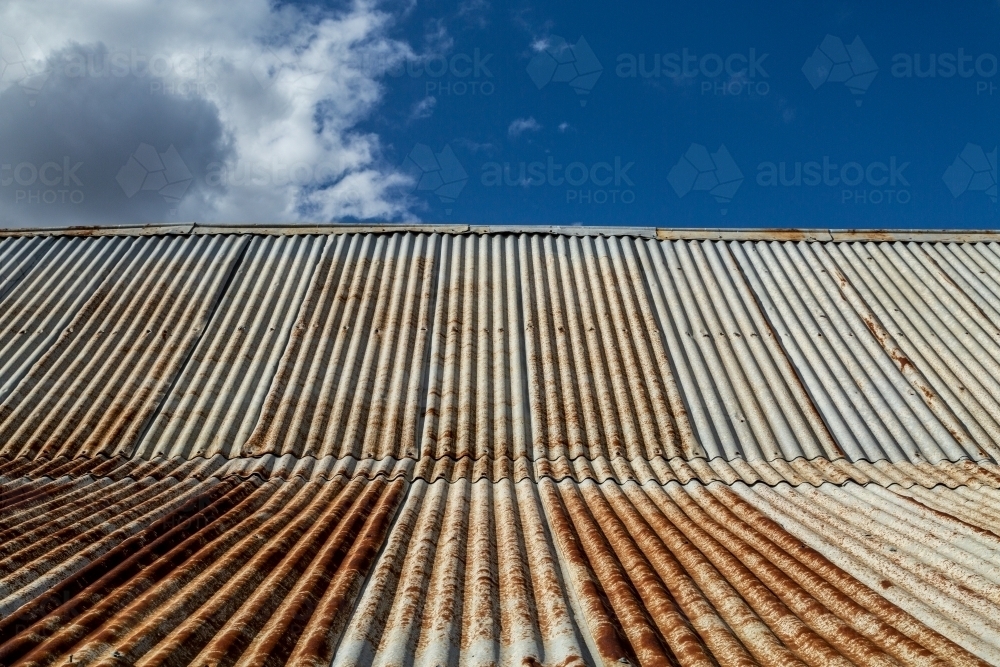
[775, 116]
[718, 114]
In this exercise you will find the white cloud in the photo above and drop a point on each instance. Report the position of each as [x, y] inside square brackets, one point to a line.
[519, 126]
[474, 11]
[540, 44]
[424, 108]
[563, 126]
[262, 104]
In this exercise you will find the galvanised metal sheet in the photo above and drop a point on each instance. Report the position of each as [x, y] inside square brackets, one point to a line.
[40, 307]
[148, 570]
[861, 323]
[26, 473]
[931, 552]
[536, 346]
[217, 398]
[549, 346]
[18, 257]
[95, 385]
[498, 448]
[152, 570]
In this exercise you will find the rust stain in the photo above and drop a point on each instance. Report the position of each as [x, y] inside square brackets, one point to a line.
[523, 384]
[950, 517]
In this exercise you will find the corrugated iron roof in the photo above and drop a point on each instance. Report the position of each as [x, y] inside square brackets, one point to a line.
[410, 345]
[379, 570]
[476, 446]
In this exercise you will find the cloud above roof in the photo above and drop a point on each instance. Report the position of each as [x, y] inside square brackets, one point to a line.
[260, 104]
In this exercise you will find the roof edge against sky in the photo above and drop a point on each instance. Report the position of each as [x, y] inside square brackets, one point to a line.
[663, 233]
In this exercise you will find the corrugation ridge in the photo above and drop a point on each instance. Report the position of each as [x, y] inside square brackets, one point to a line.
[344, 388]
[663, 417]
[18, 258]
[825, 578]
[759, 332]
[989, 264]
[202, 307]
[891, 294]
[140, 429]
[747, 408]
[945, 262]
[321, 311]
[796, 472]
[870, 354]
[711, 402]
[815, 377]
[478, 573]
[903, 580]
[187, 406]
[417, 598]
[620, 343]
[950, 435]
[55, 360]
[949, 367]
[38, 577]
[41, 308]
[845, 372]
[96, 416]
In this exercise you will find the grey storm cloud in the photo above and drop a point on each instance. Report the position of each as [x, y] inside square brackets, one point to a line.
[63, 149]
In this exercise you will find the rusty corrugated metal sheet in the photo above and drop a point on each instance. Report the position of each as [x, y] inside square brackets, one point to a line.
[94, 386]
[173, 569]
[218, 397]
[861, 323]
[415, 447]
[374, 570]
[42, 305]
[24, 471]
[410, 345]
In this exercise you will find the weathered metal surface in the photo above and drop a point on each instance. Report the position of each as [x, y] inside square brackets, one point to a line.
[97, 383]
[670, 234]
[218, 397]
[854, 320]
[150, 570]
[549, 346]
[41, 305]
[412, 345]
[24, 476]
[18, 257]
[481, 446]
[933, 553]
[372, 570]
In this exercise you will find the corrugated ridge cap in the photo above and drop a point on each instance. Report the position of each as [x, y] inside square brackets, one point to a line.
[662, 233]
